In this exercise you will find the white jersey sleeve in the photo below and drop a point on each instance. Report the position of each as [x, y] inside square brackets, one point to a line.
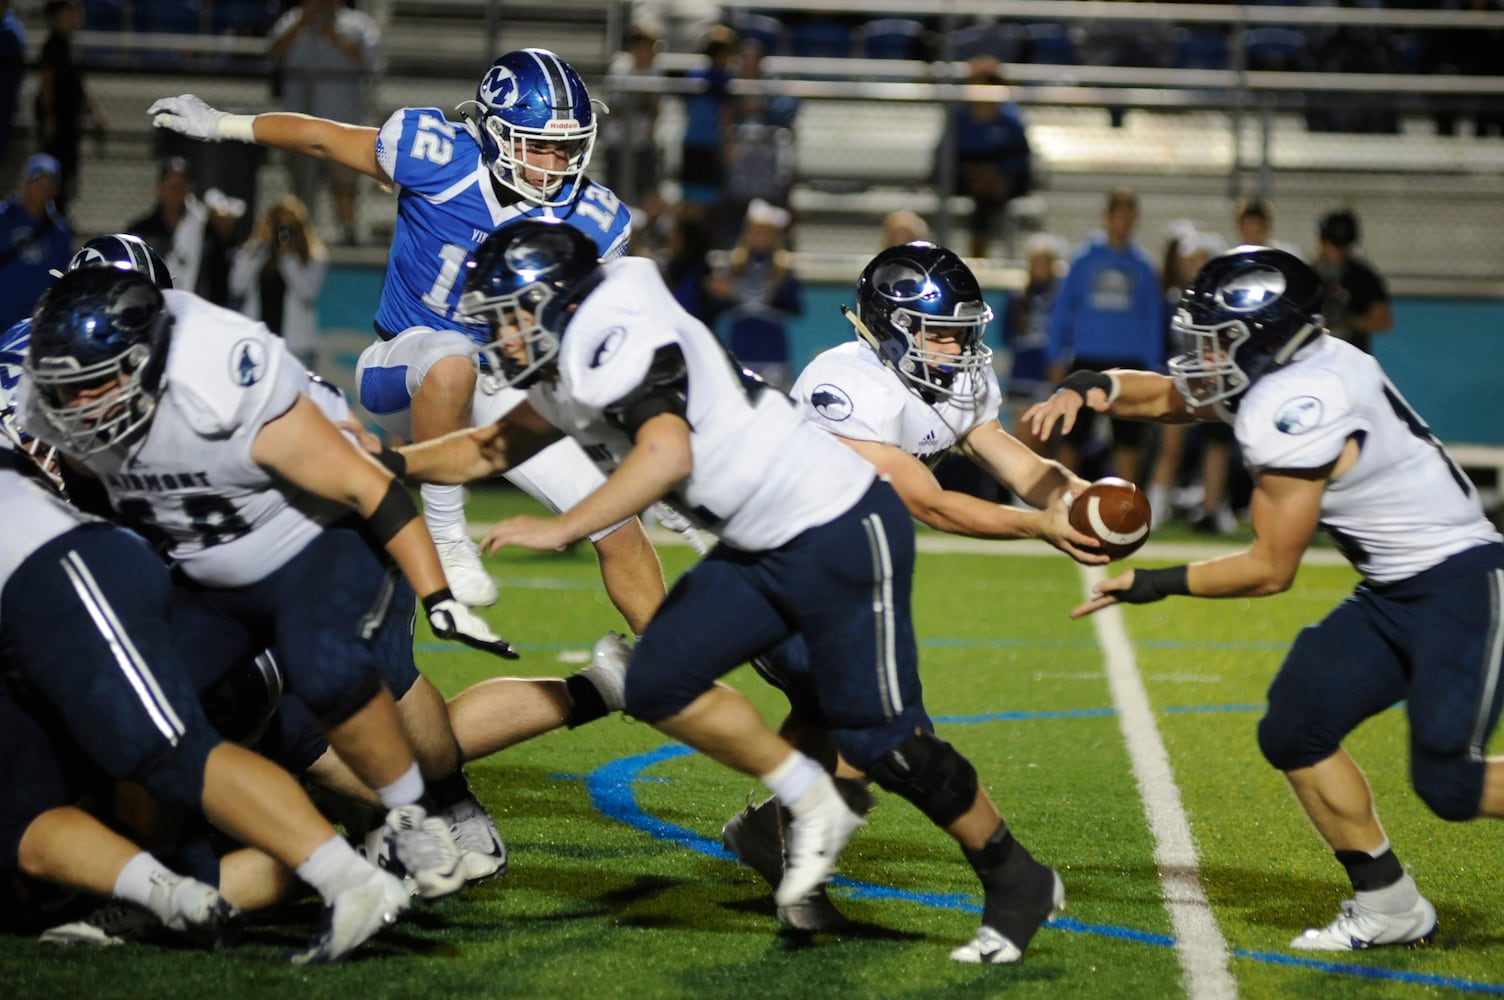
[1404, 506]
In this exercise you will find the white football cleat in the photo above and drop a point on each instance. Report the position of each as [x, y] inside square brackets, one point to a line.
[992, 947]
[354, 916]
[1358, 927]
[113, 923]
[194, 909]
[419, 846]
[607, 672]
[467, 576]
[820, 825]
[482, 852]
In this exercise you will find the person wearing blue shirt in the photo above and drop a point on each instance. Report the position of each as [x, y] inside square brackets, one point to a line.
[994, 163]
[1109, 313]
[35, 239]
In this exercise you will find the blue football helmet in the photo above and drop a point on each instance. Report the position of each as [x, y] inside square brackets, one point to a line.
[531, 97]
[914, 290]
[99, 341]
[519, 283]
[126, 252]
[1246, 313]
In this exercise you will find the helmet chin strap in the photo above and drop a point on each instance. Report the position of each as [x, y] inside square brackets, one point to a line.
[861, 328]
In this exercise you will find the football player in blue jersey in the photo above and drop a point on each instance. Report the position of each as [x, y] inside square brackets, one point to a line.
[520, 151]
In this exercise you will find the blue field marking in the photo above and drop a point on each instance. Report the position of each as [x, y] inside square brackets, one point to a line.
[612, 790]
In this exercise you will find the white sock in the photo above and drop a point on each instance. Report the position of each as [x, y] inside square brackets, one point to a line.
[405, 790]
[443, 509]
[333, 867]
[135, 881]
[791, 779]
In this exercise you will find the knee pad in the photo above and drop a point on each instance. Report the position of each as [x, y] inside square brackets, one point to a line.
[1288, 744]
[930, 773]
[1452, 786]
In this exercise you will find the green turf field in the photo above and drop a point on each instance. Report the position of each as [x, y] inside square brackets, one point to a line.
[618, 887]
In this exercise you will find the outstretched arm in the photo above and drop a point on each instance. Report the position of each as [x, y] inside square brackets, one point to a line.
[468, 454]
[1126, 394]
[353, 146]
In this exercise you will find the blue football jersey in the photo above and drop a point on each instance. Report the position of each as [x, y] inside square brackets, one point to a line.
[13, 345]
[446, 205]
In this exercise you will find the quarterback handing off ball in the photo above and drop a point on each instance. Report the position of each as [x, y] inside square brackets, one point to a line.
[1114, 511]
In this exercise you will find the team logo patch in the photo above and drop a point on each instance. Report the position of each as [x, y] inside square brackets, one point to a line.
[830, 402]
[608, 346]
[247, 363]
[1299, 415]
[499, 88]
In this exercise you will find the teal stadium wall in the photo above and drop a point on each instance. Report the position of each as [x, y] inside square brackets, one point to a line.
[1443, 354]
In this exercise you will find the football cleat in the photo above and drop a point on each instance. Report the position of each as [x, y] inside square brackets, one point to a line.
[419, 846]
[482, 852]
[1358, 927]
[819, 828]
[354, 916]
[607, 672]
[467, 576]
[114, 923]
[755, 837]
[992, 947]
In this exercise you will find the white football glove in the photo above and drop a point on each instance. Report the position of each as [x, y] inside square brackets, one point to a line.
[190, 116]
[450, 619]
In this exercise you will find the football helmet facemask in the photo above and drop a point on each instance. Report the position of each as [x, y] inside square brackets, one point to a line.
[908, 296]
[99, 340]
[531, 98]
[519, 283]
[1246, 313]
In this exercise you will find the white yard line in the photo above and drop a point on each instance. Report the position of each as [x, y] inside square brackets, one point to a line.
[1199, 945]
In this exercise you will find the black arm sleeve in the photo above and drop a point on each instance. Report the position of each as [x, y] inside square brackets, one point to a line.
[664, 390]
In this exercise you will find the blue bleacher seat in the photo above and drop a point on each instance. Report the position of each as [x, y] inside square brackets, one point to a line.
[243, 17]
[820, 39]
[1200, 48]
[1003, 42]
[764, 29]
[103, 15]
[1049, 43]
[890, 38]
[179, 17]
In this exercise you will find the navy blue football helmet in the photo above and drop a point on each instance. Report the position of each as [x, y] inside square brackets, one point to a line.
[913, 291]
[99, 340]
[1247, 312]
[125, 252]
[519, 283]
[531, 97]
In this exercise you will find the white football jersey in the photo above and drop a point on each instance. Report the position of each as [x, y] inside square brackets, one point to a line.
[761, 473]
[1405, 505]
[189, 482]
[850, 392]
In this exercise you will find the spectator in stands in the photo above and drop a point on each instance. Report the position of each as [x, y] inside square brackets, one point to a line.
[327, 55]
[709, 115]
[1356, 301]
[761, 293]
[12, 71]
[1026, 323]
[686, 261]
[903, 226]
[631, 130]
[34, 239]
[1254, 219]
[195, 239]
[278, 274]
[1109, 313]
[994, 163]
[63, 97]
[760, 147]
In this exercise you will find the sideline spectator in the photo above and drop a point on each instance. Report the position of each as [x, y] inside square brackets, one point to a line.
[1109, 314]
[708, 119]
[686, 262]
[34, 239]
[63, 97]
[994, 163]
[1254, 218]
[278, 274]
[1026, 324]
[1355, 302]
[631, 131]
[194, 238]
[903, 226]
[12, 72]
[763, 293]
[327, 55]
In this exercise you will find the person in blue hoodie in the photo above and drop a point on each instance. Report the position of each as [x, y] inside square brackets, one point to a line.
[1109, 313]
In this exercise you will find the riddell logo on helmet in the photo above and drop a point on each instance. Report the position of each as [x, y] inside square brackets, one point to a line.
[561, 125]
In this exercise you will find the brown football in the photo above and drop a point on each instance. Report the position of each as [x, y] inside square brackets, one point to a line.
[1114, 511]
